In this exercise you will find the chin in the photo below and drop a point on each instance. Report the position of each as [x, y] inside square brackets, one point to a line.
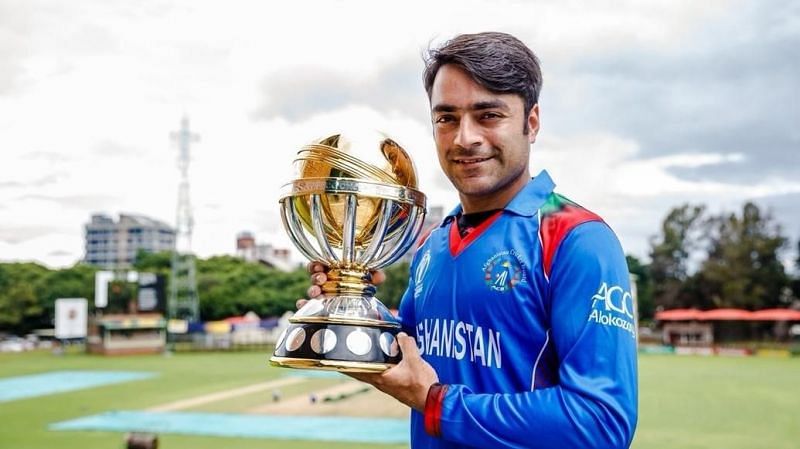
[476, 187]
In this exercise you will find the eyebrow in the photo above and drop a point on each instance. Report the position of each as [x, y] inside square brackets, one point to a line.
[479, 106]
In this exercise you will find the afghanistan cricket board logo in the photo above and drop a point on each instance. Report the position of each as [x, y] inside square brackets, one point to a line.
[504, 271]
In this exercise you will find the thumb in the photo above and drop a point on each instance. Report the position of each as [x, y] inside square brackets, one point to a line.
[408, 346]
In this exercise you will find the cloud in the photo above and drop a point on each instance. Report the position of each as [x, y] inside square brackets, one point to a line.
[47, 156]
[15, 34]
[296, 93]
[17, 234]
[67, 249]
[606, 173]
[728, 88]
[721, 88]
[785, 207]
[46, 180]
[112, 149]
[87, 201]
[59, 253]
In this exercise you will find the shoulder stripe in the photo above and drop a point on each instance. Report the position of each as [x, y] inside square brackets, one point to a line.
[559, 216]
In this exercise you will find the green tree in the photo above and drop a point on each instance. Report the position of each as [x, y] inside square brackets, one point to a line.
[21, 309]
[644, 287]
[391, 292]
[229, 286]
[18, 305]
[796, 279]
[743, 268]
[670, 253]
[159, 263]
[73, 282]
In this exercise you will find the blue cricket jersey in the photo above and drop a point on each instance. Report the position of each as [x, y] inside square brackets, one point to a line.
[529, 322]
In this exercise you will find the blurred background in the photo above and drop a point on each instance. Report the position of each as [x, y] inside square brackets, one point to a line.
[143, 147]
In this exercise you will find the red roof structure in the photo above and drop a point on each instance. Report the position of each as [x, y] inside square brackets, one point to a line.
[776, 315]
[728, 315]
[679, 315]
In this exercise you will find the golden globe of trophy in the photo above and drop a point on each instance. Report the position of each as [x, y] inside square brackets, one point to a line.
[354, 207]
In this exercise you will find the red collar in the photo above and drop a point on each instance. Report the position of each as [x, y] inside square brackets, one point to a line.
[458, 244]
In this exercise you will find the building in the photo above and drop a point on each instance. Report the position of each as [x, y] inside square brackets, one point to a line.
[113, 244]
[725, 326]
[271, 256]
[124, 334]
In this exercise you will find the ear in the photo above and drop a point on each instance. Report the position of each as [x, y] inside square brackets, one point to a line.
[533, 123]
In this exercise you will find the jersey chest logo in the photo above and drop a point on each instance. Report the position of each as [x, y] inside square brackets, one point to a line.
[504, 271]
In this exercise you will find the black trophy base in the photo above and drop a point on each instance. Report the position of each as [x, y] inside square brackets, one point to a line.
[337, 347]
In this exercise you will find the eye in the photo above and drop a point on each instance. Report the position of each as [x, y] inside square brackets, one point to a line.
[490, 116]
[444, 119]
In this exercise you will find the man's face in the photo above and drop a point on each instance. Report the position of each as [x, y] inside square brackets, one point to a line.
[480, 137]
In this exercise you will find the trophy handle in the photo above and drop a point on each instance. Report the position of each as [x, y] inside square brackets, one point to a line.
[349, 230]
[295, 230]
[403, 241]
[380, 232]
[319, 231]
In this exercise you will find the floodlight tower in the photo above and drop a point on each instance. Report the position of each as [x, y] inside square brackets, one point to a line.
[183, 298]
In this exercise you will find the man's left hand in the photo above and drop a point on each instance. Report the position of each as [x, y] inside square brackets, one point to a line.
[409, 380]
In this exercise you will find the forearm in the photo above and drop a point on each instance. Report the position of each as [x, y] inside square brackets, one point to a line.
[547, 418]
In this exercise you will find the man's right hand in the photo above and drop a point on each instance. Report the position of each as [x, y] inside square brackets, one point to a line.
[318, 272]
[318, 277]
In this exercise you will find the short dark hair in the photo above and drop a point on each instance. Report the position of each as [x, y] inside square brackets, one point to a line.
[499, 62]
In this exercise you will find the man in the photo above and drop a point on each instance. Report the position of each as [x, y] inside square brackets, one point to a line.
[520, 300]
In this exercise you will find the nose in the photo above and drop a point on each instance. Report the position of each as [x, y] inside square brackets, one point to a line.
[468, 135]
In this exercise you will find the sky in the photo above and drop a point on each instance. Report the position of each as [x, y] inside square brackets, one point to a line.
[645, 106]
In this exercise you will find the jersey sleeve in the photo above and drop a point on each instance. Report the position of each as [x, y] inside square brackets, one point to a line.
[594, 404]
[406, 308]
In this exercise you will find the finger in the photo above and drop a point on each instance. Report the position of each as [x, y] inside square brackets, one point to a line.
[408, 346]
[378, 277]
[316, 267]
[315, 291]
[300, 303]
[319, 278]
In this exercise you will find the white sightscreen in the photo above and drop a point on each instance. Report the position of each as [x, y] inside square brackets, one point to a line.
[71, 317]
[101, 280]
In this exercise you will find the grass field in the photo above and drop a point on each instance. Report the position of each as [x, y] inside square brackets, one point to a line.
[685, 402]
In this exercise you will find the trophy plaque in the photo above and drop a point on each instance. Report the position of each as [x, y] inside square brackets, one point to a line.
[354, 207]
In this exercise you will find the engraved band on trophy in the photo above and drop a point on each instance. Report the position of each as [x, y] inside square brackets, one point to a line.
[353, 206]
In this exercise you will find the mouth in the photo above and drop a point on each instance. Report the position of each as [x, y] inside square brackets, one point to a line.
[471, 161]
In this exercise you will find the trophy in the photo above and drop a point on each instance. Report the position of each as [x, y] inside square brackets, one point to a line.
[354, 207]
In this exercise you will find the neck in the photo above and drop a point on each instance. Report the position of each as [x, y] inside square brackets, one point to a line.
[495, 200]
